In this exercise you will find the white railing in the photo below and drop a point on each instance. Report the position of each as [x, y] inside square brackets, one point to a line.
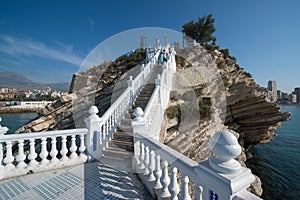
[40, 151]
[221, 177]
[101, 129]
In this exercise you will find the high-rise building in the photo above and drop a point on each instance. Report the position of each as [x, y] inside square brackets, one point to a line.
[297, 92]
[272, 87]
[279, 95]
[293, 98]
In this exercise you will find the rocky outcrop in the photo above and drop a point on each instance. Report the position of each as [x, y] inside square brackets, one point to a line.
[239, 105]
[99, 86]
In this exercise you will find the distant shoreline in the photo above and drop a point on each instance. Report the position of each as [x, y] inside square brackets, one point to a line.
[8, 110]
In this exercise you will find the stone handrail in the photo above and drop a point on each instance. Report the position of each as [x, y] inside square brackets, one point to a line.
[33, 154]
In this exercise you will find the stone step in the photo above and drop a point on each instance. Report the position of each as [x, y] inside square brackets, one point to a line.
[125, 128]
[143, 98]
[119, 164]
[123, 136]
[119, 154]
[118, 144]
[126, 121]
[141, 102]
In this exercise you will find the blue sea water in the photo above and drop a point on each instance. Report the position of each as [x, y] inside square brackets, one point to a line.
[277, 163]
[13, 121]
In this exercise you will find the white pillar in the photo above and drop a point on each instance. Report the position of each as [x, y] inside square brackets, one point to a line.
[224, 177]
[93, 124]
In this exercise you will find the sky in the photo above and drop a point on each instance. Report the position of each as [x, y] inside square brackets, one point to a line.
[47, 41]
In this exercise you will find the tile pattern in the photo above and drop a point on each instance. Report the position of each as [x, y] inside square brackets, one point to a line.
[89, 181]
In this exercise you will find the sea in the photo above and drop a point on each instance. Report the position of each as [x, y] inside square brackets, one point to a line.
[13, 121]
[277, 163]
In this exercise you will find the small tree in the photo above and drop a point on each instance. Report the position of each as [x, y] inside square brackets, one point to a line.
[201, 30]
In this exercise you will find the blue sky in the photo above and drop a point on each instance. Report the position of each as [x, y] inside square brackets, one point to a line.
[48, 40]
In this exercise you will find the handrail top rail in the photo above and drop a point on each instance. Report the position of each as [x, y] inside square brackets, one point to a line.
[184, 164]
[37, 135]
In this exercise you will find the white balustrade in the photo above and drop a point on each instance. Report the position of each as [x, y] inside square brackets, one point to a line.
[39, 158]
[209, 181]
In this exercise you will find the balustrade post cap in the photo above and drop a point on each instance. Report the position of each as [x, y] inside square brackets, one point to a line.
[225, 147]
[130, 78]
[138, 113]
[93, 110]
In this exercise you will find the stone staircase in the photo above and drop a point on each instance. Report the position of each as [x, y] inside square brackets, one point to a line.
[119, 150]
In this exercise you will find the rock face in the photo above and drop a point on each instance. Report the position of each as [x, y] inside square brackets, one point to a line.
[246, 108]
[239, 105]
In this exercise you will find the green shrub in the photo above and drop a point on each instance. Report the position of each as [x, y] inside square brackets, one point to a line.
[174, 111]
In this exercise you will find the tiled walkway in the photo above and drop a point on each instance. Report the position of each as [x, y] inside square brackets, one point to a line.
[88, 181]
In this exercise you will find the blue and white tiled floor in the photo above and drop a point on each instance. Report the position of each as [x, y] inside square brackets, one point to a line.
[89, 181]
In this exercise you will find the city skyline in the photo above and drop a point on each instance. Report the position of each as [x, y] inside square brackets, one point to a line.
[48, 41]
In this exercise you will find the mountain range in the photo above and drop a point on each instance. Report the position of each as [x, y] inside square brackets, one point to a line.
[20, 82]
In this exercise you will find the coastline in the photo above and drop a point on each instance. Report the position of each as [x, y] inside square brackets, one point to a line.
[7, 110]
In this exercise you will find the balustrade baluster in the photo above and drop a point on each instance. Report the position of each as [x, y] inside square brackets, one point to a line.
[32, 155]
[165, 180]
[174, 186]
[9, 157]
[146, 161]
[151, 166]
[158, 172]
[142, 156]
[53, 152]
[73, 147]
[101, 134]
[109, 123]
[185, 188]
[21, 156]
[64, 149]
[44, 153]
[198, 192]
[1, 154]
[137, 151]
[82, 146]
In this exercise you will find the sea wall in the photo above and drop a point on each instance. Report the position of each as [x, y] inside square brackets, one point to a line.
[5, 110]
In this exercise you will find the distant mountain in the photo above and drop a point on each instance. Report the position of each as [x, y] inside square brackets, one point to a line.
[12, 79]
[15, 80]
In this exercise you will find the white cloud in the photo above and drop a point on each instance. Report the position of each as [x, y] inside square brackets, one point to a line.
[3, 67]
[27, 47]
